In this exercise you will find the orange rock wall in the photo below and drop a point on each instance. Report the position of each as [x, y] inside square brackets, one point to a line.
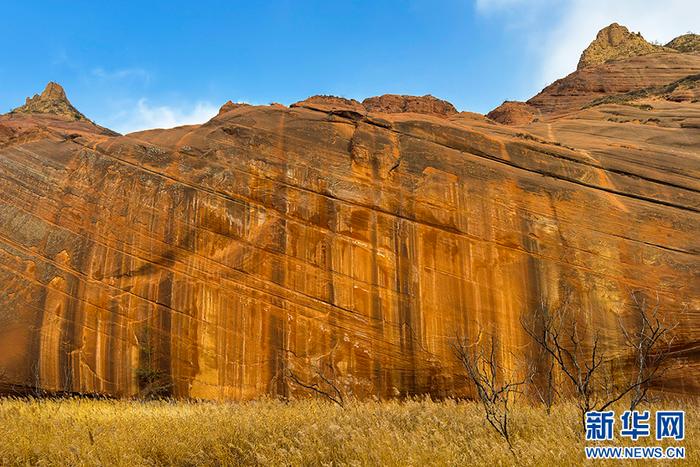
[271, 240]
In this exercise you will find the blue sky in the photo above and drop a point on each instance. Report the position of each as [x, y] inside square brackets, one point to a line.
[132, 65]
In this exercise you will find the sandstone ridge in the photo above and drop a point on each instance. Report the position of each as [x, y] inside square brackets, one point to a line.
[386, 103]
[331, 104]
[394, 103]
[618, 62]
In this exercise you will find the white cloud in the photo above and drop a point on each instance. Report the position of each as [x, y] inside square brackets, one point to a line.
[144, 116]
[564, 29]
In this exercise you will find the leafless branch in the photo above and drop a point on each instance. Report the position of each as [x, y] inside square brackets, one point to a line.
[330, 392]
[494, 388]
[650, 342]
[578, 354]
[558, 334]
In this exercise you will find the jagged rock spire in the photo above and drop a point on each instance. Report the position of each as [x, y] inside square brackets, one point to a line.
[53, 101]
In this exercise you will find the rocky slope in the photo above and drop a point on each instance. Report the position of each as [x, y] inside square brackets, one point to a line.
[616, 62]
[588, 84]
[344, 241]
[616, 42]
[685, 43]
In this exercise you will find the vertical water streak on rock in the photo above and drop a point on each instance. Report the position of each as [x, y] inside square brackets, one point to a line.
[406, 285]
[277, 331]
[113, 353]
[34, 356]
[407, 266]
[403, 290]
[379, 379]
[377, 313]
[534, 299]
[239, 379]
[163, 364]
[71, 335]
[173, 242]
[328, 220]
[185, 207]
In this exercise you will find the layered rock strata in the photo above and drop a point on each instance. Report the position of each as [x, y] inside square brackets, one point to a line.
[344, 241]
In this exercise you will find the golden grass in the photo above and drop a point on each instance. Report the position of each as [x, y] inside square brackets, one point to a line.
[307, 432]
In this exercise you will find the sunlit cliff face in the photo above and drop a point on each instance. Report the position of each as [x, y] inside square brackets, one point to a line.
[326, 240]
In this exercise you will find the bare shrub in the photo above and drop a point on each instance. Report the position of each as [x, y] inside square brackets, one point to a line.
[580, 359]
[577, 353]
[650, 341]
[494, 384]
[541, 385]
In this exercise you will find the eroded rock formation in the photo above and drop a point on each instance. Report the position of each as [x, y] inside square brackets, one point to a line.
[355, 240]
[513, 113]
[392, 103]
[616, 42]
[52, 101]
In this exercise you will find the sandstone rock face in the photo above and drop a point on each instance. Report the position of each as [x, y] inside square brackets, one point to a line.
[622, 76]
[392, 103]
[615, 42]
[513, 113]
[219, 260]
[683, 90]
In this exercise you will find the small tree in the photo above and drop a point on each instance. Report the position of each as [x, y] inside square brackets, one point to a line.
[557, 332]
[579, 356]
[494, 388]
[650, 341]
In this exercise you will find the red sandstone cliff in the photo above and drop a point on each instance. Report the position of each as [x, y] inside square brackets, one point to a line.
[356, 237]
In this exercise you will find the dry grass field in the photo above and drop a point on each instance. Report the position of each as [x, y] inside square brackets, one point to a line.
[80, 432]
